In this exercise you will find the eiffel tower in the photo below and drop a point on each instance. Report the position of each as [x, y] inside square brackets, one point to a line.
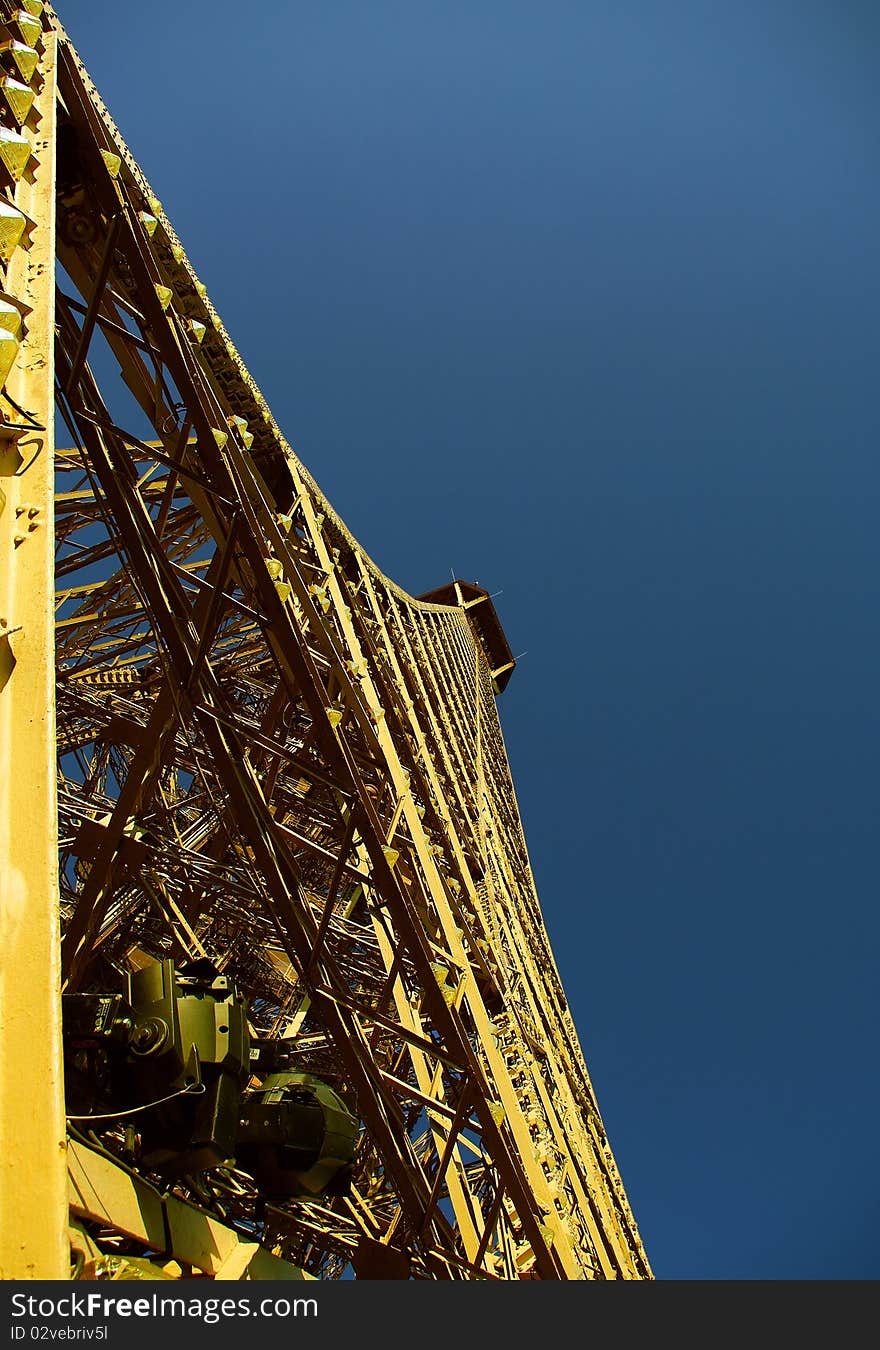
[277, 996]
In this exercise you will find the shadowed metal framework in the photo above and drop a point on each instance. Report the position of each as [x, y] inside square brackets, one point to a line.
[268, 755]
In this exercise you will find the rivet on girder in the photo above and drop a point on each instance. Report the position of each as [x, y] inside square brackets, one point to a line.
[12, 227]
[28, 25]
[241, 427]
[24, 58]
[148, 221]
[10, 318]
[15, 151]
[165, 294]
[113, 162]
[8, 351]
[497, 1112]
[20, 97]
[321, 596]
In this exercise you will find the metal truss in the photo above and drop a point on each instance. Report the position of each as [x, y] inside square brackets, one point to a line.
[269, 755]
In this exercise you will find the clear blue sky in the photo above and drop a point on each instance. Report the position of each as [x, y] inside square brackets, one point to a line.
[581, 301]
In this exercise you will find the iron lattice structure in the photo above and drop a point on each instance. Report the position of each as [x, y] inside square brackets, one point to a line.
[270, 755]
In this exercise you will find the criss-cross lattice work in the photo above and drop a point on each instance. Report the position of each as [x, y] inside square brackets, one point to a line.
[271, 756]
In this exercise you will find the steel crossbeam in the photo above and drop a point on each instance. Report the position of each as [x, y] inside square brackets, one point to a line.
[271, 756]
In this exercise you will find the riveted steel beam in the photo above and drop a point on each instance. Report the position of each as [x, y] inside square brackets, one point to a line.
[33, 1215]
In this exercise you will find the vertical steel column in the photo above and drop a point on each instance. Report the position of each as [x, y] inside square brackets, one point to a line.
[33, 1221]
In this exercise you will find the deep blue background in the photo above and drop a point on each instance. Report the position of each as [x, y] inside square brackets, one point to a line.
[580, 300]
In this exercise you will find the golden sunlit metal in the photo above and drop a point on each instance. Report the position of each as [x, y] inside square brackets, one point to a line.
[277, 996]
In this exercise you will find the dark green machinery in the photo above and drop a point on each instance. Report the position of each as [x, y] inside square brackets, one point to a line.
[171, 1062]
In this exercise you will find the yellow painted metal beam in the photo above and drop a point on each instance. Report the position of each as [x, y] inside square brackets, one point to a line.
[33, 1220]
[108, 1194]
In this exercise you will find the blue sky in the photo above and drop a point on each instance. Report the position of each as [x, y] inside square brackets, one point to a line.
[579, 300]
